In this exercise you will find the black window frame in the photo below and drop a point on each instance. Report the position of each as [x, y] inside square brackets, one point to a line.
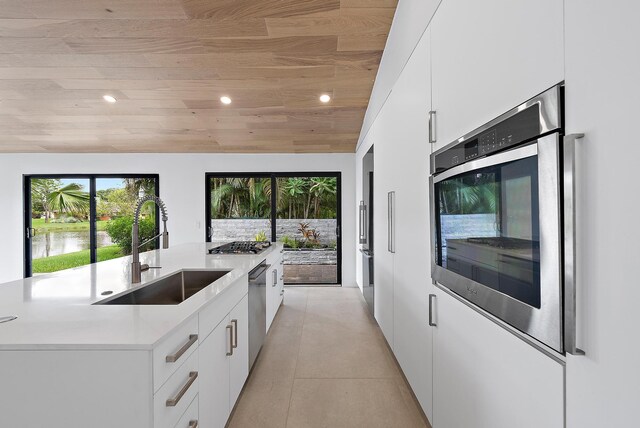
[27, 225]
[273, 176]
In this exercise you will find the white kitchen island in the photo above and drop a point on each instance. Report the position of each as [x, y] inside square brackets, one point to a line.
[66, 362]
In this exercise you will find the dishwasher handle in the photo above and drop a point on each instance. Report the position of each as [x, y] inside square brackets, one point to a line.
[258, 271]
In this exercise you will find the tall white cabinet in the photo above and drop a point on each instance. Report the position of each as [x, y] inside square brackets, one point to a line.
[410, 104]
[384, 183]
[602, 89]
[402, 265]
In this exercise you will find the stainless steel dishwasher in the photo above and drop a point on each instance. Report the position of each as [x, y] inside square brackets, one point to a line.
[257, 309]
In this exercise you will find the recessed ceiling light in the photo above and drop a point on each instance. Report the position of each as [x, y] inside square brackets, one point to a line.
[225, 100]
[325, 98]
[109, 99]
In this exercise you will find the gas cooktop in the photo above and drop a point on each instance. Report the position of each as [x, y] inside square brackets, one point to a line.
[241, 247]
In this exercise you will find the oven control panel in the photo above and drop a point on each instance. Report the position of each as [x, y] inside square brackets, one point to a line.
[515, 130]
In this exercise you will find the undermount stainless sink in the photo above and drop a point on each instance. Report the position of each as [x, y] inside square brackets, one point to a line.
[171, 290]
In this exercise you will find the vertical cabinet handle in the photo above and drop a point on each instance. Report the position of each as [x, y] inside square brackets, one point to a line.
[274, 277]
[570, 328]
[234, 342]
[230, 330]
[432, 298]
[362, 233]
[391, 223]
[432, 127]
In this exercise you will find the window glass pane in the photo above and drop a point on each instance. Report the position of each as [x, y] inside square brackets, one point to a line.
[60, 224]
[115, 205]
[488, 228]
[240, 208]
[306, 222]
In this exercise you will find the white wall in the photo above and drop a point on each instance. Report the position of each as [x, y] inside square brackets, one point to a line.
[182, 187]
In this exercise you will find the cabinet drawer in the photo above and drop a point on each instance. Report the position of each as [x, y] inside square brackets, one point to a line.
[173, 351]
[190, 417]
[176, 395]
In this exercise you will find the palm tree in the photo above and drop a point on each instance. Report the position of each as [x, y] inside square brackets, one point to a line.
[259, 197]
[70, 199]
[459, 197]
[41, 188]
[294, 188]
[240, 197]
[322, 187]
[135, 185]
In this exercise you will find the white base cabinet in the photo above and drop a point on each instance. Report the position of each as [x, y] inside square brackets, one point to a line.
[192, 377]
[224, 366]
[275, 285]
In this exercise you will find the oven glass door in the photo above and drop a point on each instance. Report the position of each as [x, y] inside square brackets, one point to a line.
[488, 229]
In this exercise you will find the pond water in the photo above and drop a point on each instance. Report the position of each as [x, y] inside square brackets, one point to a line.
[55, 243]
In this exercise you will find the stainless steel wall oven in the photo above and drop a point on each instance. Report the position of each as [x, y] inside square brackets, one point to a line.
[496, 217]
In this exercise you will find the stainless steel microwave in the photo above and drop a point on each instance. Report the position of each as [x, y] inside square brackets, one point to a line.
[496, 217]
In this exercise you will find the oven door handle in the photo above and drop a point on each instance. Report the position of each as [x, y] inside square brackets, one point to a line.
[570, 313]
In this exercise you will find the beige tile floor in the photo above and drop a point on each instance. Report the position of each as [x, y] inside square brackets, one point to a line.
[325, 364]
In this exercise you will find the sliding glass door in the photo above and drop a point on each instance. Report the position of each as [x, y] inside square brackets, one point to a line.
[59, 235]
[74, 220]
[301, 210]
[307, 225]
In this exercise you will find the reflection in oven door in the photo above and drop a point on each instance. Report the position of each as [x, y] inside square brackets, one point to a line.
[512, 271]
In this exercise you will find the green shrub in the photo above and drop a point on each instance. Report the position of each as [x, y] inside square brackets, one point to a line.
[261, 237]
[120, 232]
[290, 242]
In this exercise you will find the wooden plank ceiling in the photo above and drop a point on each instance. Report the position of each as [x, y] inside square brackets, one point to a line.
[168, 62]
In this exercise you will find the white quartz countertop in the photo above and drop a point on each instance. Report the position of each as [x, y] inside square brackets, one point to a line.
[56, 311]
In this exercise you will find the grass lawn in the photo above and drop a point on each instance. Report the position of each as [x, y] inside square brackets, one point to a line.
[40, 225]
[71, 260]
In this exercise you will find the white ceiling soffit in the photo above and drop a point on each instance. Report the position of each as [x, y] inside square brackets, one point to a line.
[409, 23]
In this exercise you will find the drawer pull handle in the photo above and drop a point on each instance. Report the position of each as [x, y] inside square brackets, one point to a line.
[230, 330]
[172, 402]
[234, 343]
[193, 424]
[274, 278]
[175, 357]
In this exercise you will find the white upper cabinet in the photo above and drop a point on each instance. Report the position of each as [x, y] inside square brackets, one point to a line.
[409, 23]
[489, 56]
[485, 377]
